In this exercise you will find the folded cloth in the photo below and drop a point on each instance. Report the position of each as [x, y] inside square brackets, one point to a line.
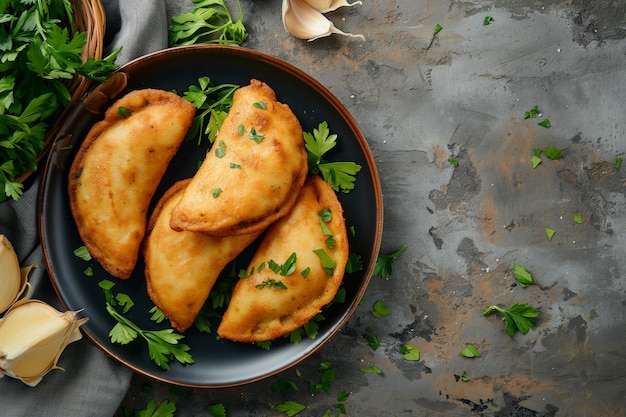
[91, 384]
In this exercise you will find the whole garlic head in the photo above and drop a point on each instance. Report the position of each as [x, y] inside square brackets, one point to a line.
[305, 21]
[12, 280]
[33, 336]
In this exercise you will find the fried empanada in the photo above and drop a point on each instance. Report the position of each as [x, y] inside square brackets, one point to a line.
[254, 172]
[117, 170]
[296, 270]
[182, 267]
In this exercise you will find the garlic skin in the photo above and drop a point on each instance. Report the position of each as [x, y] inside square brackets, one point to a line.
[305, 22]
[324, 6]
[12, 280]
[33, 336]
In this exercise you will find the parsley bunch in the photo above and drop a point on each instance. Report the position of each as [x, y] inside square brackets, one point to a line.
[40, 50]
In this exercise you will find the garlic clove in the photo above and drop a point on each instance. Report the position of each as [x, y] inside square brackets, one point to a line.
[305, 22]
[12, 281]
[33, 336]
[324, 6]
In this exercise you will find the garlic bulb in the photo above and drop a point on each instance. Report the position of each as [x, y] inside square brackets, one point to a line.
[12, 280]
[324, 6]
[33, 335]
[305, 22]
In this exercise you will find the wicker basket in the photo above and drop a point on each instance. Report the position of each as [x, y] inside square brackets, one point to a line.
[89, 18]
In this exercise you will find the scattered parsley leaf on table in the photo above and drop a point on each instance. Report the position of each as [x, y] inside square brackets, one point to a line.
[340, 175]
[410, 352]
[216, 410]
[371, 370]
[545, 123]
[578, 218]
[618, 163]
[553, 153]
[380, 310]
[519, 317]
[210, 21]
[550, 233]
[384, 263]
[523, 275]
[535, 161]
[470, 351]
[488, 20]
[438, 28]
[291, 407]
[165, 409]
[532, 113]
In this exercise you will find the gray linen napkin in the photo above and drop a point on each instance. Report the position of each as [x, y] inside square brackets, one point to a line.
[92, 384]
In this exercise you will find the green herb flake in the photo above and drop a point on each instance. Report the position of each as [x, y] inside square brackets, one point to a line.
[255, 136]
[88, 272]
[82, 253]
[470, 351]
[379, 309]
[384, 263]
[488, 20]
[291, 408]
[410, 352]
[464, 377]
[532, 113]
[550, 233]
[260, 105]
[305, 272]
[523, 275]
[157, 315]
[220, 151]
[124, 301]
[217, 192]
[165, 409]
[578, 218]
[123, 112]
[234, 165]
[216, 410]
[553, 153]
[618, 163]
[545, 123]
[438, 28]
[517, 318]
[371, 370]
[453, 160]
[373, 341]
[328, 263]
[535, 160]
[241, 129]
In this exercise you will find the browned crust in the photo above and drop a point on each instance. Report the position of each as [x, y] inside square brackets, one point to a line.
[133, 101]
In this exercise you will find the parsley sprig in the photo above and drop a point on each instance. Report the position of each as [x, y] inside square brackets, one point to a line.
[163, 345]
[519, 317]
[341, 175]
[209, 22]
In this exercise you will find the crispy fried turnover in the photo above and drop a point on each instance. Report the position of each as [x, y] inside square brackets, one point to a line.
[274, 300]
[182, 267]
[117, 169]
[253, 173]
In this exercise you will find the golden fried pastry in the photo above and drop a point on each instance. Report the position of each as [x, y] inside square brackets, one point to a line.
[254, 172]
[117, 170]
[182, 267]
[296, 270]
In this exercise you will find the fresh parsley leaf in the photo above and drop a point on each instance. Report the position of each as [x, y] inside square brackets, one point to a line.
[165, 409]
[327, 376]
[523, 275]
[535, 161]
[291, 408]
[255, 136]
[578, 218]
[453, 160]
[371, 370]
[532, 113]
[488, 20]
[217, 192]
[209, 22]
[82, 253]
[373, 341]
[123, 112]
[545, 123]
[157, 315]
[328, 263]
[216, 410]
[124, 301]
[517, 318]
[379, 309]
[550, 233]
[260, 105]
[340, 175]
[438, 28]
[354, 264]
[470, 351]
[283, 386]
[553, 153]
[384, 263]
[410, 352]
[618, 163]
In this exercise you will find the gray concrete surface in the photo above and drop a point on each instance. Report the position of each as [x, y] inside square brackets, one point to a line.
[419, 101]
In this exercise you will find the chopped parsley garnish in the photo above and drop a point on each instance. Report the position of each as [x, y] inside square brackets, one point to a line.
[545, 123]
[241, 129]
[255, 136]
[271, 283]
[371, 370]
[553, 153]
[291, 408]
[550, 233]
[578, 218]
[123, 112]
[517, 318]
[165, 409]
[217, 192]
[234, 165]
[437, 29]
[488, 20]
[470, 351]
[287, 268]
[260, 105]
[384, 263]
[83, 253]
[354, 264]
[532, 113]
[379, 309]
[220, 150]
[340, 175]
[216, 410]
[410, 352]
[523, 275]
[328, 263]
[618, 163]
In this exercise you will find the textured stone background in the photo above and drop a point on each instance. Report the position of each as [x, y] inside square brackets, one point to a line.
[420, 100]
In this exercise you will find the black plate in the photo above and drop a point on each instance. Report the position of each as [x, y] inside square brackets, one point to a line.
[218, 363]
